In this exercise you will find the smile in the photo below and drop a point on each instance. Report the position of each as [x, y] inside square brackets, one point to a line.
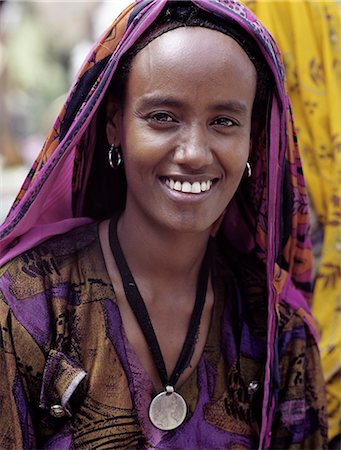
[191, 188]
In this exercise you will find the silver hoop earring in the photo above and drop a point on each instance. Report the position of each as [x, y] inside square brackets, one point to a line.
[248, 169]
[114, 157]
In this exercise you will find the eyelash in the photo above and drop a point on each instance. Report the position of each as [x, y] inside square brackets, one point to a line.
[226, 122]
[157, 117]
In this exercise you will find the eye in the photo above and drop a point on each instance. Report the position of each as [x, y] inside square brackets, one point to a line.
[161, 117]
[224, 122]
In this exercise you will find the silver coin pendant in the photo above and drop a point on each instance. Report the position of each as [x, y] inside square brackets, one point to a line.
[167, 410]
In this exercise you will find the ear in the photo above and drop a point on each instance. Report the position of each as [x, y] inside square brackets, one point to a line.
[113, 117]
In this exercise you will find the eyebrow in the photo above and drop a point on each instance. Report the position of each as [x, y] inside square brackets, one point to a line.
[157, 100]
[233, 106]
[154, 100]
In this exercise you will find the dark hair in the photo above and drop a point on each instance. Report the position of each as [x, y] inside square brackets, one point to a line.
[106, 190]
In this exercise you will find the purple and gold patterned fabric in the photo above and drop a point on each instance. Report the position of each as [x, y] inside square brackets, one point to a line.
[62, 333]
[60, 325]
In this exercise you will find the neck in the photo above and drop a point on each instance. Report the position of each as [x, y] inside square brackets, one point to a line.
[160, 255]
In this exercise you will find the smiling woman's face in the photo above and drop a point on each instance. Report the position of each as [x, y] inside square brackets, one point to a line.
[184, 127]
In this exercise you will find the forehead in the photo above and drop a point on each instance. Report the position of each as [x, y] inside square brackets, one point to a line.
[192, 55]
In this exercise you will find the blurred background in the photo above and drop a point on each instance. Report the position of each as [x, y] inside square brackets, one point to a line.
[42, 45]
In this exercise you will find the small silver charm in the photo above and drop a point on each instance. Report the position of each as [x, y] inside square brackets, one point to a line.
[57, 411]
[167, 410]
[253, 387]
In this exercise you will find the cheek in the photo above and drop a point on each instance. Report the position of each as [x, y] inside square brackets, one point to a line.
[142, 148]
[234, 158]
[135, 137]
[133, 151]
[139, 158]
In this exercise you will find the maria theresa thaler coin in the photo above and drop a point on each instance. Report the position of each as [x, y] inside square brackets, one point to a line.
[167, 410]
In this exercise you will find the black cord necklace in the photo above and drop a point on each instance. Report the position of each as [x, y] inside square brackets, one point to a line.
[167, 409]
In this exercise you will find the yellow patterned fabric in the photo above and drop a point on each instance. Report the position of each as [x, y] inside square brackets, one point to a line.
[308, 34]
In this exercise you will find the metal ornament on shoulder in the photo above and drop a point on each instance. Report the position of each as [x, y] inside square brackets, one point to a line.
[57, 411]
[167, 410]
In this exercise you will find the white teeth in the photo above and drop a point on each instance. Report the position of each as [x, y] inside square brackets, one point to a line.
[196, 188]
[187, 187]
[177, 186]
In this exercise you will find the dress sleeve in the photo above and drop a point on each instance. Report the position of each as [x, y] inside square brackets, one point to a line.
[300, 420]
[16, 429]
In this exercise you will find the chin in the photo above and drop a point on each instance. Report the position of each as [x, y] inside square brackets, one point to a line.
[190, 223]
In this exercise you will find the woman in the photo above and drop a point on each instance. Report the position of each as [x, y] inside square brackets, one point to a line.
[169, 308]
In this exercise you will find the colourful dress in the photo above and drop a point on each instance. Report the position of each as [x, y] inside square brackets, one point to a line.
[63, 344]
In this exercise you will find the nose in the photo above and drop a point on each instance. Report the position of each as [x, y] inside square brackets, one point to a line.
[194, 150]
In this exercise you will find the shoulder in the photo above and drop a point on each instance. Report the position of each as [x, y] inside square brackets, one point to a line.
[50, 256]
[295, 318]
[42, 289]
[301, 410]
[296, 331]
[48, 272]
